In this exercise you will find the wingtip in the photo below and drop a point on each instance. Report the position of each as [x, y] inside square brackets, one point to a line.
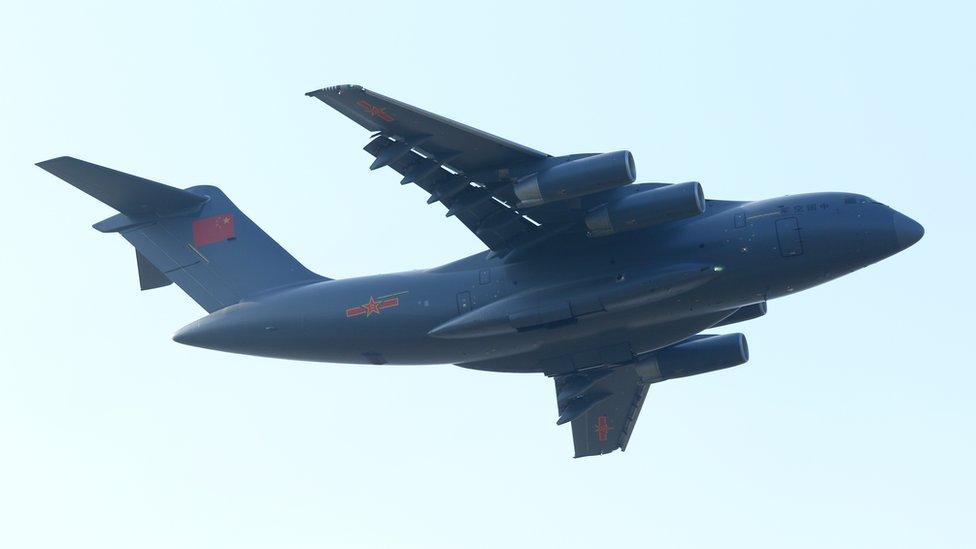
[44, 164]
[333, 90]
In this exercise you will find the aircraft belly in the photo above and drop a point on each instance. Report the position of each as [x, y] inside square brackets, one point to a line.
[618, 341]
[368, 333]
[389, 319]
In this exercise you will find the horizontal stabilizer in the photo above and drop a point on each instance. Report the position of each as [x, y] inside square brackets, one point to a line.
[126, 193]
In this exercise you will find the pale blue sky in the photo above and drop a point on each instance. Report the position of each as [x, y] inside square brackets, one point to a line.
[852, 426]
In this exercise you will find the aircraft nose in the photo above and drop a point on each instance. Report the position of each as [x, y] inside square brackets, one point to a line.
[907, 230]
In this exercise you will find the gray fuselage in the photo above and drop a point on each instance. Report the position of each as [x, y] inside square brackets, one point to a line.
[745, 252]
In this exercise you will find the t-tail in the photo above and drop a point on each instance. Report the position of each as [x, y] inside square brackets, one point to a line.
[196, 237]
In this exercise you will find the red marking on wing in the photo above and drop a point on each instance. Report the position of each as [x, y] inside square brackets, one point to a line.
[602, 428]
[213, 229]
[373, 110]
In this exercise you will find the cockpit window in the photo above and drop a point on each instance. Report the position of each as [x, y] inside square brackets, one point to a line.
[856, 199]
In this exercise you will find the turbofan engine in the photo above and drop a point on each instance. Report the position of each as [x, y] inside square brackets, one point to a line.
[701, 354]
[577, 178]
[647, 208]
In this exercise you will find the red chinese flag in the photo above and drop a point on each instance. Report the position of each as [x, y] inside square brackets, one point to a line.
[213, 229]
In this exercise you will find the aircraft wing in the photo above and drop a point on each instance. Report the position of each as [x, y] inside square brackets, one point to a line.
[466, 169]
[603, 406]
[465, 148]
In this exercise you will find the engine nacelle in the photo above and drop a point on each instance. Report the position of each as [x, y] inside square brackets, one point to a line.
[647, 208]
[696, 356]
[577, 178]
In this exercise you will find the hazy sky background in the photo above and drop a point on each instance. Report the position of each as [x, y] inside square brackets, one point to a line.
[852, 426]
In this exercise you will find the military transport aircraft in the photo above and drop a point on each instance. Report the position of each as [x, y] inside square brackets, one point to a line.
[598, 282]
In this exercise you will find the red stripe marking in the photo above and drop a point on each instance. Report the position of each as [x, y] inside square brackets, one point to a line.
[373, 110]
[602, 428]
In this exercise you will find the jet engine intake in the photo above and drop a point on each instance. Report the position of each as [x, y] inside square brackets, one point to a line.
[577, 178]
[647, 208]
[697, 355]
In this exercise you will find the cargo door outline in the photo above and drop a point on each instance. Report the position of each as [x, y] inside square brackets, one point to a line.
[788, 236]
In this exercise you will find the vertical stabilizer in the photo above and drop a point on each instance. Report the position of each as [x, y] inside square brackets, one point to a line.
[196, 237]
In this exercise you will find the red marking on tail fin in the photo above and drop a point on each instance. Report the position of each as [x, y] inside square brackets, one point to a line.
[213, 229]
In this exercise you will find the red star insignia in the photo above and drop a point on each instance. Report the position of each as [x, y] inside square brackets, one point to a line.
[372, 306]
[602, 428]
